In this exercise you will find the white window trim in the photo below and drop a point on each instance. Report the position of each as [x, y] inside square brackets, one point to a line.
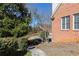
[74, 24]
[65, 25]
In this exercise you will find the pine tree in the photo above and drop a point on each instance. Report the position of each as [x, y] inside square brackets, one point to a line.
[14, 20]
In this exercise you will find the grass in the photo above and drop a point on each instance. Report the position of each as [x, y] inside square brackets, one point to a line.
[28, 53]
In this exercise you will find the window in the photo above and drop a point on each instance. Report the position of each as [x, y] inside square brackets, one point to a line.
[65, 23]
[76, 22]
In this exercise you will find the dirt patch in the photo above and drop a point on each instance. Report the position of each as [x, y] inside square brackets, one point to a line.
[67, 49]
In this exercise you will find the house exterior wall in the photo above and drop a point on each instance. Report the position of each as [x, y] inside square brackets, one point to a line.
[70, 35]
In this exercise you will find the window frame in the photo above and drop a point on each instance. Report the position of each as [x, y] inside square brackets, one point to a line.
[65, 23]
[74, 22]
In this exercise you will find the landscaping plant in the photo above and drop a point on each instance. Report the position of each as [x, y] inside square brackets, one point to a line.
[14, 23]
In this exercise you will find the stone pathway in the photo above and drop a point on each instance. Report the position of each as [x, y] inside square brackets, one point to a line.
[37, 52]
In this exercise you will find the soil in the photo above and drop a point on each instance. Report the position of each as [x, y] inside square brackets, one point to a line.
[60, 49]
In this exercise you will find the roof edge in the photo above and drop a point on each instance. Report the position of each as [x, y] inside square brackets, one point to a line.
[56, 9]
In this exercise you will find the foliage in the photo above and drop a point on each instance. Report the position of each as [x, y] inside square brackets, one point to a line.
[8, 46]
[29, 53]
[14, 20]
[14, 23]
[44, 35]
[22, 43]
[13, 46]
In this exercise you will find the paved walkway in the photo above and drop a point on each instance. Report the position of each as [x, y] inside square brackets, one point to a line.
[37, 52]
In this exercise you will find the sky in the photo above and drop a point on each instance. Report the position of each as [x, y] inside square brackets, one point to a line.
[44, 9]
[54, 6]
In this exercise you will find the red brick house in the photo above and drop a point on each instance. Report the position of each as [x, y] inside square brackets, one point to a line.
[65, 23]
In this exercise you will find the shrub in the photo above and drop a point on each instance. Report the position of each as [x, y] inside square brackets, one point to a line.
[8, 46]
[13, 46]
[44, 35]
[29, 53]
[22, 43]
[14, 22]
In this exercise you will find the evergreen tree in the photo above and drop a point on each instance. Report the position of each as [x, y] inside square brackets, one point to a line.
[14, 20]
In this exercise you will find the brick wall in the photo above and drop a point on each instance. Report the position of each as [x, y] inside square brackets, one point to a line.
[65, 35]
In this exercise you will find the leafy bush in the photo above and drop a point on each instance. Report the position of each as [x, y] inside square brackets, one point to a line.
[8, 46]
[22, 43]
[13, 46]
[14, 22]
[44, 35]
[29, 53]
